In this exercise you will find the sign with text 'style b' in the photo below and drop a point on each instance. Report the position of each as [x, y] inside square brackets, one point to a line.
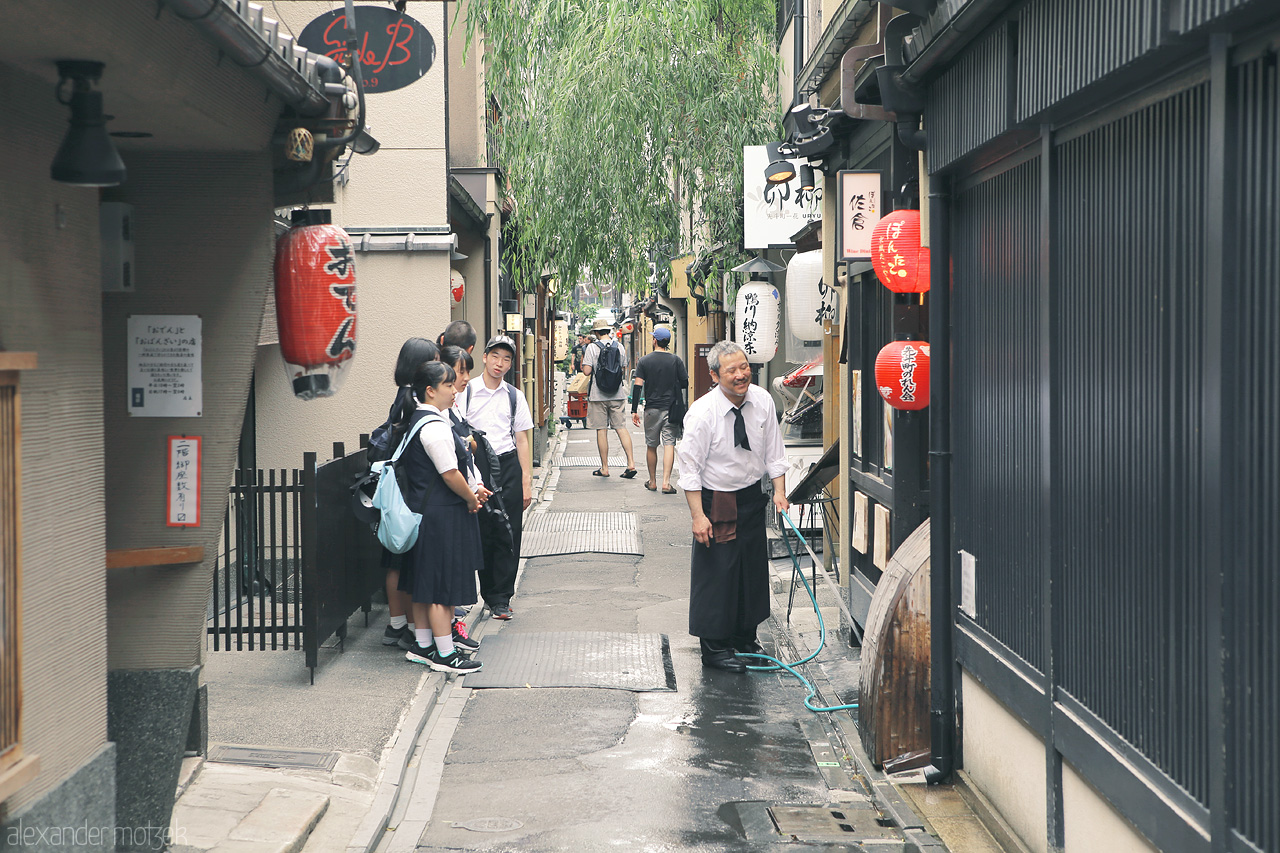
[395, 50]
[860, 210]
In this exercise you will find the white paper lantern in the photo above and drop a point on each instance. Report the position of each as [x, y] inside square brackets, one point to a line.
[561, 341]
[810, 300]
[457, 286]
[756, 317]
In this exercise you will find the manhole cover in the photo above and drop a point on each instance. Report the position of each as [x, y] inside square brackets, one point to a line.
[823, 822]
[489, 824]
[259, 756]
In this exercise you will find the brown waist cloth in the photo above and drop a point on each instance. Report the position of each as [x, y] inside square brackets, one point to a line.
[724, 516]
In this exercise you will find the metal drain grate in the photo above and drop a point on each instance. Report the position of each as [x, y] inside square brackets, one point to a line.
[261, 756]
[551, 533]
[816, 823]
[615, 461]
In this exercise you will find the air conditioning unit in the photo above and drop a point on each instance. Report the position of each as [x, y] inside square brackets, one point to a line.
[115, 225]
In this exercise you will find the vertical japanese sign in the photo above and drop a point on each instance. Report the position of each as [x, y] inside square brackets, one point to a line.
[184, 481]
[859, 212]
[771, 213]
[164, 366]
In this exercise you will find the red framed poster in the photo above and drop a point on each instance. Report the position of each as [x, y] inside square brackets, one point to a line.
[183, 494]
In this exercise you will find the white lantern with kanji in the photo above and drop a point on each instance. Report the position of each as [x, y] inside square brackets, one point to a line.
[810, 300]
[756, 317]
[457, 286]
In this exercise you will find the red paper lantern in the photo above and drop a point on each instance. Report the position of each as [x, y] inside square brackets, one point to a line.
[902, 374]
[900, 262]
[627, 327]
[315, 280]
[457, 286]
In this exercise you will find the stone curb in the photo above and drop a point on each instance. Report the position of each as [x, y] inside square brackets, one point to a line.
[281, 823]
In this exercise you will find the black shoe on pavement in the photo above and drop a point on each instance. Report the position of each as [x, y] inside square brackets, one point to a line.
[455, 662]
[501, 611]
[419, 654]
[407, 638]
[392, 636]
[747, 645]
[716, 656]
[461, 640]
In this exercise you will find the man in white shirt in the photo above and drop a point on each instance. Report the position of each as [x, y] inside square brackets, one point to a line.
[494, 406]
[605, 407]
[731, 442]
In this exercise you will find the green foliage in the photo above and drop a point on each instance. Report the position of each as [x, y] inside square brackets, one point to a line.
[622, 126]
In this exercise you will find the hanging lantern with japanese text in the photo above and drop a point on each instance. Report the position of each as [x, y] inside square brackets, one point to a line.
[315, 289]
[457, 286]
[810, 301]
[902, 374]
[756, 317]
[900, 262]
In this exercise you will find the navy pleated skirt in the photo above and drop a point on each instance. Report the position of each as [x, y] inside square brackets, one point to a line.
[441, 566]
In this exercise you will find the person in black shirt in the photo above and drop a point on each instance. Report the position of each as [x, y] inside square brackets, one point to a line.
[663, 376]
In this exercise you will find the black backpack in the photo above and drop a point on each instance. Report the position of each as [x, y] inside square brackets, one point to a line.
[607, 373]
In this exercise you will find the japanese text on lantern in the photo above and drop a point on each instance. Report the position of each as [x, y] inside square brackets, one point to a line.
[751, 305]
[897, 264]
[184, 481]
[908, 381]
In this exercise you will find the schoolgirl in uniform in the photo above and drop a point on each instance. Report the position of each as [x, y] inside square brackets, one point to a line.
[440, 569]
[413, 352]
[462, 363]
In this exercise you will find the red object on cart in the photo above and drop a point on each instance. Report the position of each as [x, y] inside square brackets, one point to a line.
[577, 406]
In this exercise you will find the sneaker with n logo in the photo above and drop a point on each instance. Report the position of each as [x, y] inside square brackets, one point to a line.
[454, 662]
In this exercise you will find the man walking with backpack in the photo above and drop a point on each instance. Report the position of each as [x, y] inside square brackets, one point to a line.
[664, 379]
[606, 363]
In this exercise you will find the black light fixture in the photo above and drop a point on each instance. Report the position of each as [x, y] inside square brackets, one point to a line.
[780, 170]
[87, 157]
[807, 182]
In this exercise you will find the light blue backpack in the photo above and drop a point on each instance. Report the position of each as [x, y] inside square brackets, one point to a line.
[398, 525]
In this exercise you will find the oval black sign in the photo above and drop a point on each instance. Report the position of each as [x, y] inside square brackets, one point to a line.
[395, 50]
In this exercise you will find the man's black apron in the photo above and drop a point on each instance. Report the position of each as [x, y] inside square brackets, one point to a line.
[729, 585]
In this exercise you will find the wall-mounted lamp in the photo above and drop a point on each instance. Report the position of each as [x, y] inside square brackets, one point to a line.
[807, 182]
[87, 157]
[780, 170]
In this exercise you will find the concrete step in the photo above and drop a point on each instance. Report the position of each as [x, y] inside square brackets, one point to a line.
[280, 823]
[778, 548]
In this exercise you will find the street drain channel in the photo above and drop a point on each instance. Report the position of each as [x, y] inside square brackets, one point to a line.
[261, 756]
[552, 533]
[819, 823]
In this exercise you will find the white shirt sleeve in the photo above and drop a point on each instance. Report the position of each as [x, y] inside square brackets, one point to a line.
[775, 453]
[523, 419]
[693, 449]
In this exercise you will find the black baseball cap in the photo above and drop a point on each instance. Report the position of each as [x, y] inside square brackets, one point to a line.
[501, 341]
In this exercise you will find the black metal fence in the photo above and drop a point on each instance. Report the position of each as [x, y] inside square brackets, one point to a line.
[294, 562]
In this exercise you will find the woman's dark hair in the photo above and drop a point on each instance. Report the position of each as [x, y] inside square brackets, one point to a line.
[431, 374]
[413, 354]
[453, 356]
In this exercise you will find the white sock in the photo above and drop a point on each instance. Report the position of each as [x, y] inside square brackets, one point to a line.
[411, 626]
[399, 622]
[445, 645]
[424, 637]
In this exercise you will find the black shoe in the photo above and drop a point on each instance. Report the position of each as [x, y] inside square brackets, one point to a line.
[420, 654]
[461, 640]
[407, 638]
[716, 656]
[455, 662]
[747, 645]
[391, 636]
[501, 611]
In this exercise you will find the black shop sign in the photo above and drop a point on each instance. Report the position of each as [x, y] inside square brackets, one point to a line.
[395, 50]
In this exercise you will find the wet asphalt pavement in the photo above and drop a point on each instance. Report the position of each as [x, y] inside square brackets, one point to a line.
[601, 769]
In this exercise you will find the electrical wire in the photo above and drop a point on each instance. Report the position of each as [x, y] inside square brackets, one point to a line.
[775, 664]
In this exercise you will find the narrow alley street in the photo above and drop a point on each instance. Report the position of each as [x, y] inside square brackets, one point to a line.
[723, 762]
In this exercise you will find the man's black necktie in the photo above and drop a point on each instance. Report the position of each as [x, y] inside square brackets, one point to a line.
[740, 430]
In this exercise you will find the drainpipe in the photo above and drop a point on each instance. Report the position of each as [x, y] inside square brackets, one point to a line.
[942, 705]
[797, 52]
